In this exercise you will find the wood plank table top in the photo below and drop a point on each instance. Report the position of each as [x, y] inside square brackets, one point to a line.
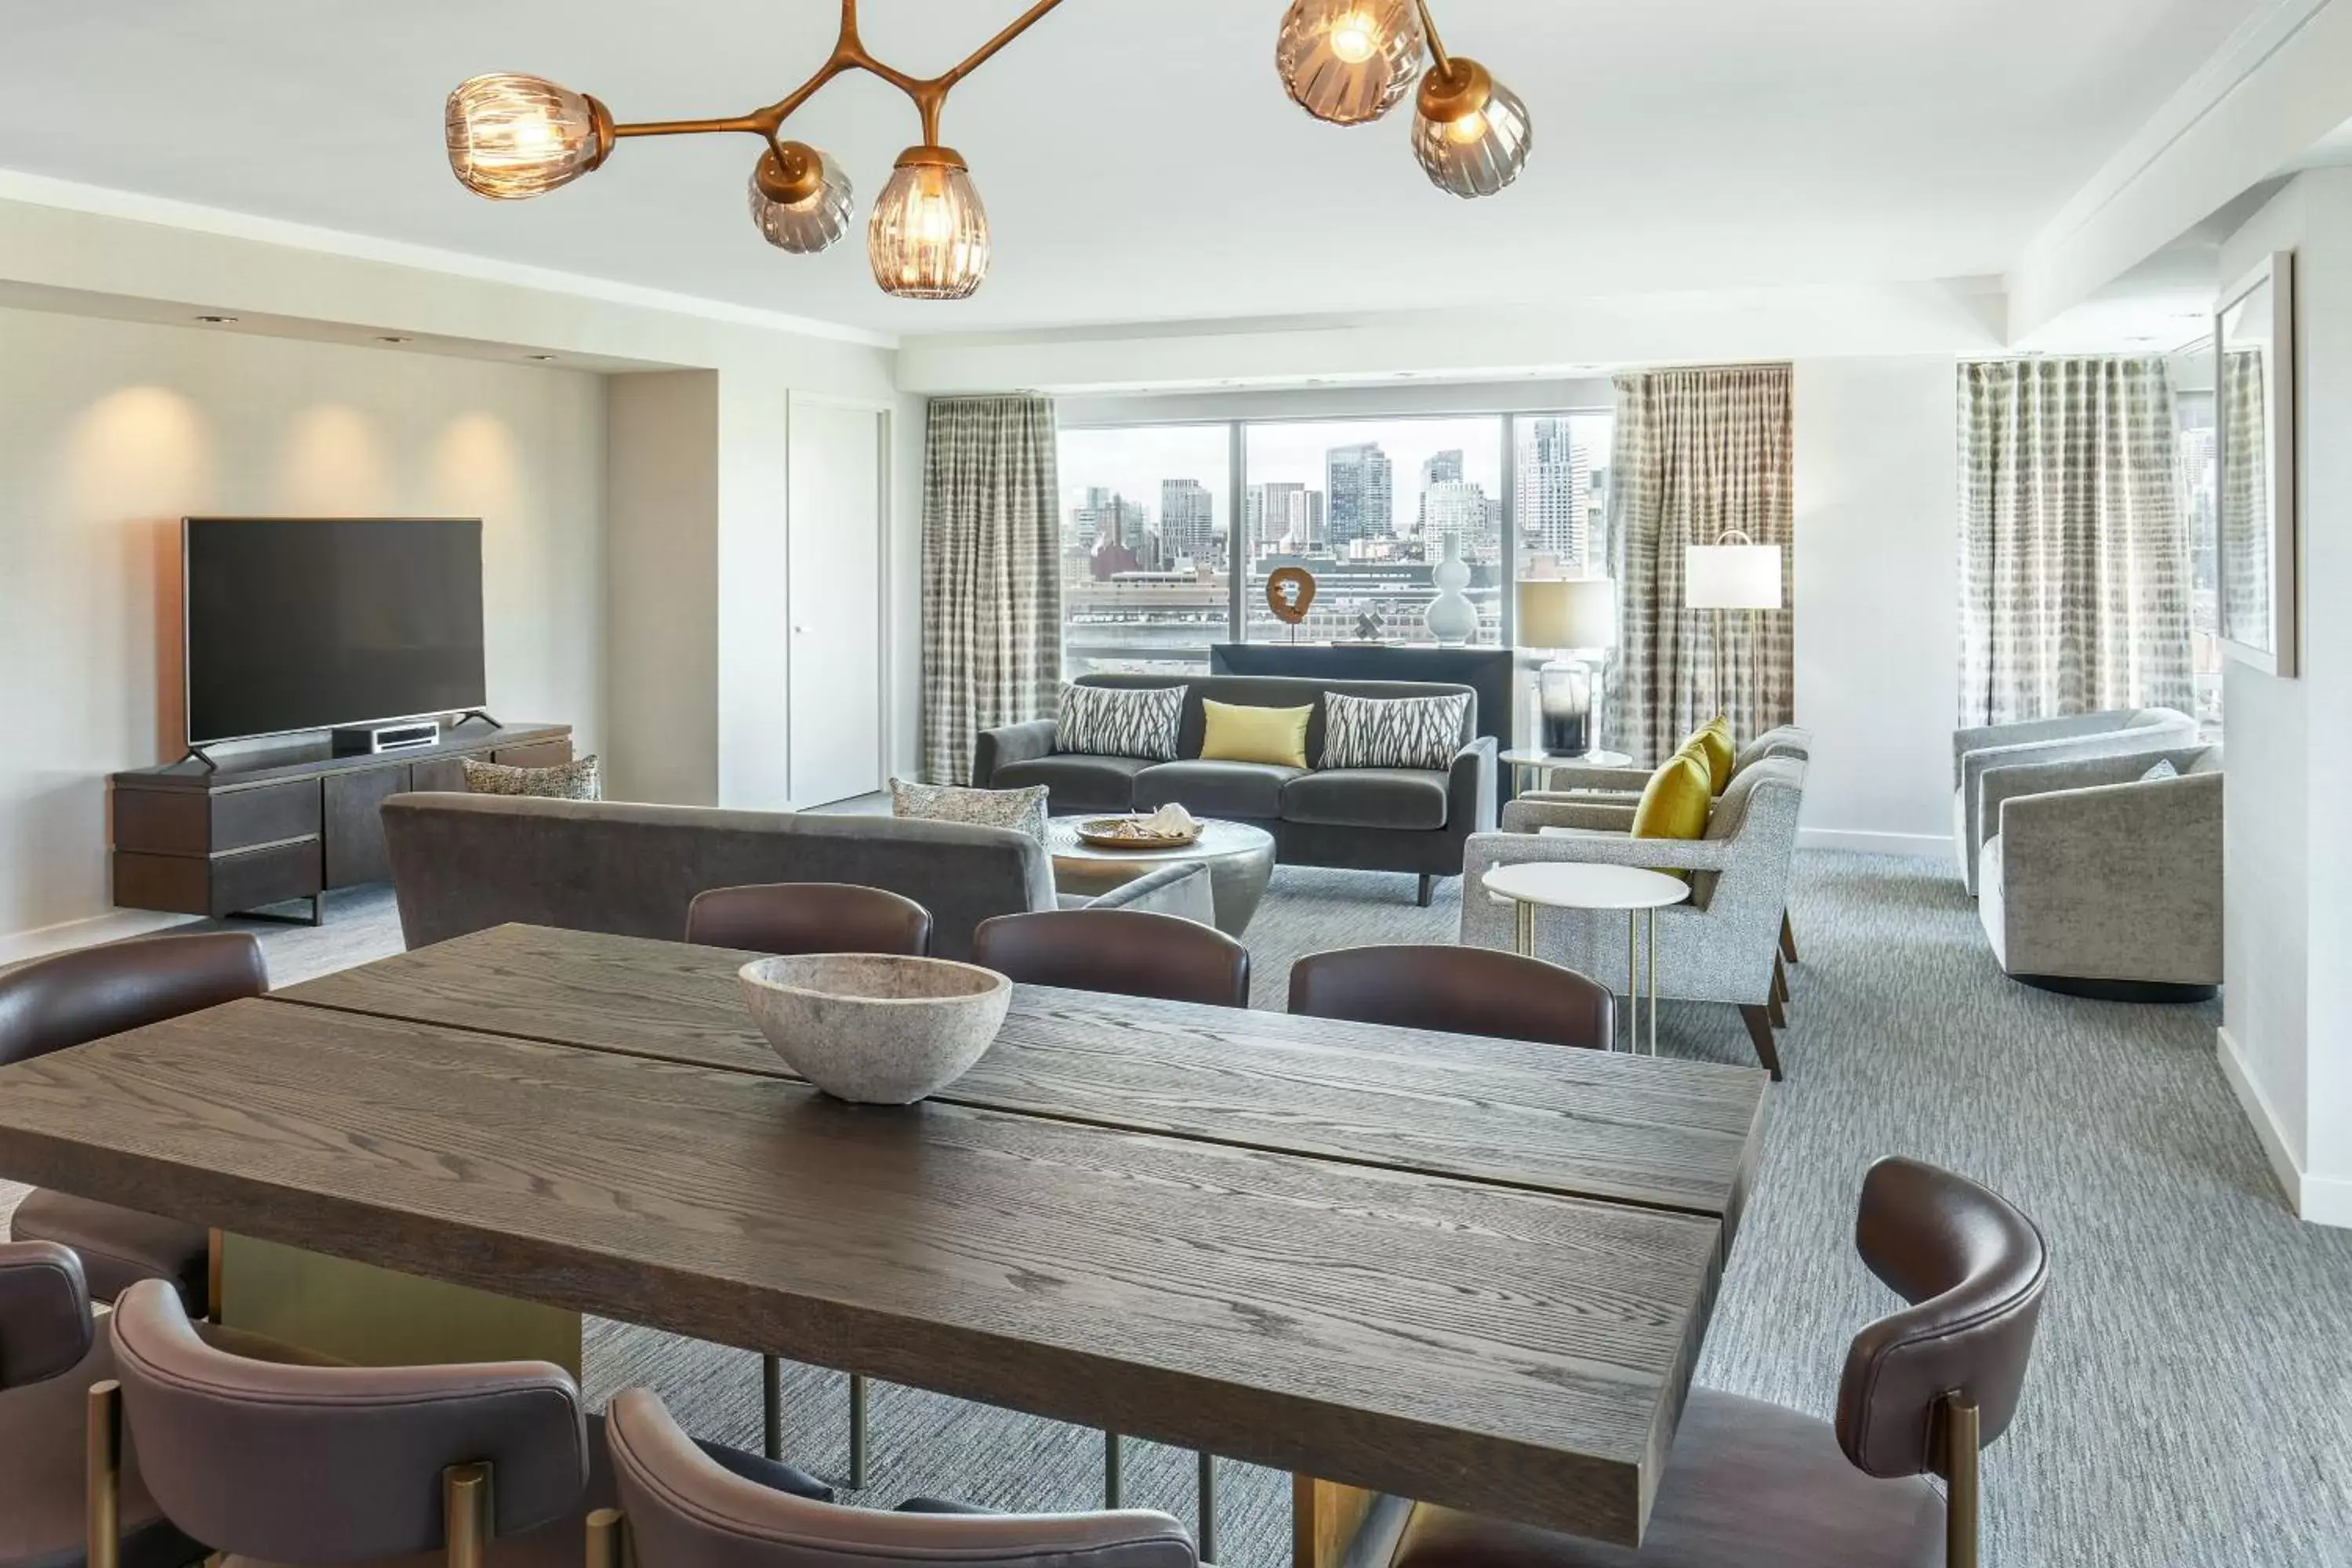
[1452, 1318]
[1659, 1132]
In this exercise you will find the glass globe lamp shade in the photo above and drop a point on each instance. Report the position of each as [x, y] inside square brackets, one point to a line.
[514, 136]
[800, 200]
[927, 238]
[1349, 61]
[1469, 131]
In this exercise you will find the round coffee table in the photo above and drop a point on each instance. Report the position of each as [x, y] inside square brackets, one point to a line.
[1240, 860]
[1522, 760]
[1577, 885]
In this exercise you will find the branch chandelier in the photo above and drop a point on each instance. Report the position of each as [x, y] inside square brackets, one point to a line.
[1347, 62]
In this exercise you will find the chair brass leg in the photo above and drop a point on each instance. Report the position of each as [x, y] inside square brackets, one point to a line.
[465, 1516]
[1114, 1482]
[1208, 1541]
[771, 1407]
[606, 1545]
[103, 1457]
[213, 1274]
[856, 1431]
[1962, 1451]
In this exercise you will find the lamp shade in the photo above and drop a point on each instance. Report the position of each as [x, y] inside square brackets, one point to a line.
[927, 238]
[1731, 577]
[1571, 612]
[514, 136]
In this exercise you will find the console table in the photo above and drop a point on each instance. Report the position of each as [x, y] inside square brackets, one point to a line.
[286, 822]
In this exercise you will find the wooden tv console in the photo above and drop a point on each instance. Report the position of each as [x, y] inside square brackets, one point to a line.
[288, 821]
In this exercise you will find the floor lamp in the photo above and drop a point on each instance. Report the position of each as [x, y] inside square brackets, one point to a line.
[1569, 615]
[1734, 573]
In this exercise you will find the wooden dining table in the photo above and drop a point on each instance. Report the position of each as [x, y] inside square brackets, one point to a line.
[1393, 1262]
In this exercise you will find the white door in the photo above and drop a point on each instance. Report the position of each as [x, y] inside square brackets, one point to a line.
[834, 534]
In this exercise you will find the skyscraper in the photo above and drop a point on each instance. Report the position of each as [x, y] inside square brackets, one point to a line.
[1187, 521]
[1451, 506]
[1360, 487]
[1554, 494]
[1285, 516]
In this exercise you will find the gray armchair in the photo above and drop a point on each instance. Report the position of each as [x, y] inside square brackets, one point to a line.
[1719, 947]
[2123, 731]
[2098, 884]
[1586, 779]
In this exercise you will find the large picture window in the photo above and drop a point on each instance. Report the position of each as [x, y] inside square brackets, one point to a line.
[1145, 521]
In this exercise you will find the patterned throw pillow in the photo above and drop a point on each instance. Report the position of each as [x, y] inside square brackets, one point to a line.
[1023, 810]
[1392, 731]
[2162, 770]
[1120, 722]
[578, 780]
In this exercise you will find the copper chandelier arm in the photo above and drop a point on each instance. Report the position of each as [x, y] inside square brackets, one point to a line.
[1437, 55]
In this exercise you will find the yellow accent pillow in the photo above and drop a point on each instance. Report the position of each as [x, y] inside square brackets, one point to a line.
[1712, 740]
[1676, 802]
[1238, 734]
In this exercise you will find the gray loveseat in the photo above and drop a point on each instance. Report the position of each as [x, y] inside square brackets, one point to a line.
[462, 863]
[1364, 819]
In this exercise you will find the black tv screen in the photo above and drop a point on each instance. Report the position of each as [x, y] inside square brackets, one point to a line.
[307, 624]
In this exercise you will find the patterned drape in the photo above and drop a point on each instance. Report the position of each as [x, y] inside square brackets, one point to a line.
[2075, 548]
[991, 575]
[1698, 453]
[2245, 516]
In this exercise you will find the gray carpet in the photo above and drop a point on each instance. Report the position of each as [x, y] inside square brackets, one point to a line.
[2191, 1396]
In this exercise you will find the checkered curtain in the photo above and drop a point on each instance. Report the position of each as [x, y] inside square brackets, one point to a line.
[2245, 519]
[1698, 453]
[991, 575]
[2075, 544]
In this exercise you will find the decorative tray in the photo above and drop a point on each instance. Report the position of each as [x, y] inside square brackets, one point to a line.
[1131, 832]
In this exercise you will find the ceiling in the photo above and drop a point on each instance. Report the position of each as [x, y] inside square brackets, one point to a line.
[1140, 162]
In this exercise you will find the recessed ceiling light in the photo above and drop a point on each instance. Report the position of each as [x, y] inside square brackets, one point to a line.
[216, 320]
[542, 358]
[391, 339]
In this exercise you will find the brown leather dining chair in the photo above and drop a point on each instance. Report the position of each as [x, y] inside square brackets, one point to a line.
[1460, 990]
[87, 995]
[268, 1455]
[1128, 952]
[1755, 1485]
[809, 917]
[680, 1510]
[793, 918]
[51, 1353]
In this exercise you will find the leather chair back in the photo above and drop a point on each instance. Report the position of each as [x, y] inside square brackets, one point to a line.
[1128, 952]
[1973, 1270]
[809, 917]
[44, 1322]
[93, 991]
[685, 1511]
[1460, 990]
[334, 1464]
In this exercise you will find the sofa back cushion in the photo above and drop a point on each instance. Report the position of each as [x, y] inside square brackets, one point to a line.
[1021, 809]
[1278, 692]
[1392, 731]
[464, 863]
[1114, 721]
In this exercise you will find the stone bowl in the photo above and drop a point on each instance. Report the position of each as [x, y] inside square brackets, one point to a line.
[876, 1028]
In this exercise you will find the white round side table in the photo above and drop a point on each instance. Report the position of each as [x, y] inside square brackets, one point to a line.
[1524, 760]
[1573, 885]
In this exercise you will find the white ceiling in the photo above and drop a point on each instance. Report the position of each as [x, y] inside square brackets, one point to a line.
[1138, 157]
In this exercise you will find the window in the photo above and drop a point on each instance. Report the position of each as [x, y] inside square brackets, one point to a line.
[1156, 524]
[2200, 479]
[1144, 531]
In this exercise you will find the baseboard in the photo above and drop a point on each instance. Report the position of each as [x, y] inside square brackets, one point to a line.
[1938, 844]
[2322, 1200]
[112, 926]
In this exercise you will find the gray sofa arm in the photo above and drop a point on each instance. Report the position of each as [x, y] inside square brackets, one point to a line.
[1013, 743]
[1470, 787]
[1182, 888]
[2115, 881]
[1533, 814]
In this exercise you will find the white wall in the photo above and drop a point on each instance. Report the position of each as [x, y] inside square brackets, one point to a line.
[662, 607]
[111, 431]
[1877, 596]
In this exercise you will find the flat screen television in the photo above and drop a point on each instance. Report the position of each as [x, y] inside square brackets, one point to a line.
[299, 624]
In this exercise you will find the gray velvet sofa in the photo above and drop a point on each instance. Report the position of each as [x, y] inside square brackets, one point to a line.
[462, 863]
[1367, 819]
[2098, 884]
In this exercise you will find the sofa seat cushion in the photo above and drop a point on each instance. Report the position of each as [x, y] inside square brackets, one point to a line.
[1076, 782]
[1749, 1485]
[1406, 798]
[1215, 789]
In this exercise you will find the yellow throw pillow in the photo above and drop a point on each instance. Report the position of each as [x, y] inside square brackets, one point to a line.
[1712, 740]
[1243, 734]
[1676, 802]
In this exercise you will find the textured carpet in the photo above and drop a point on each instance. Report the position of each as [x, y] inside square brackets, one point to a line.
[2192, 1394]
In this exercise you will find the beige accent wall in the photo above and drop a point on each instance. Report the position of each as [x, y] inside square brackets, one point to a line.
[110, 431]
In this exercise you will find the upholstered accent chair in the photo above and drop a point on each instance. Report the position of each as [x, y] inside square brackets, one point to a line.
[1721, 946]
[2098, 882]
[2117, 733]
[1589, 781]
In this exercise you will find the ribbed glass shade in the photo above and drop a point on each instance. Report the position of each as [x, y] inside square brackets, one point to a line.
[1349, 61]
[1479, 152]
[929, 237]
[514, 136]
[808, 224]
